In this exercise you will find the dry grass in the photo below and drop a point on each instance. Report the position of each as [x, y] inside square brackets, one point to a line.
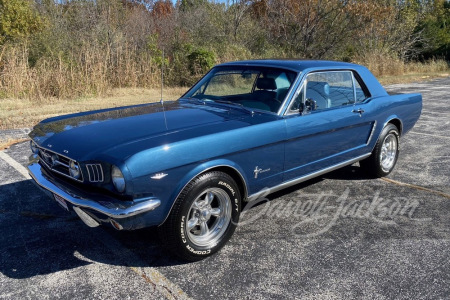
[416, 71]
[6, 144]
[390, 69]
[411, 77]
[21, 113]
[89, 71]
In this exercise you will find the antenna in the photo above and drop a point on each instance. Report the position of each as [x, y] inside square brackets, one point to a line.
[162, 87]
[162, 76]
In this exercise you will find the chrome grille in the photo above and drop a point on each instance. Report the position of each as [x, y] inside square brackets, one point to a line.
[56, 163]
[95, 172]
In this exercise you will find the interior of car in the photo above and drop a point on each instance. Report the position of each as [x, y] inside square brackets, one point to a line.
[258, 88]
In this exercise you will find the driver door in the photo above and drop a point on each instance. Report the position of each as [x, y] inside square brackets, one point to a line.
[325, 123]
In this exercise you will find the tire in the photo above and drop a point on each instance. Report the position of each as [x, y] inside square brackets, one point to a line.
[384, 155]
[203, 218]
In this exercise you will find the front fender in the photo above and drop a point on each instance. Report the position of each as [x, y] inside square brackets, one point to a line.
[202, 168]
[209, 165]
[170, 186]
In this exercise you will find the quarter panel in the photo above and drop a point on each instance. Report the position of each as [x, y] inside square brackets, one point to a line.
[407, 108]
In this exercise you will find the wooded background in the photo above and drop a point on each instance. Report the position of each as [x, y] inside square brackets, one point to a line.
[72, 48]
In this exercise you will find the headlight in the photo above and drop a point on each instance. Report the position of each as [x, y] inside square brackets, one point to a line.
[118, 179]
[74, 169]
[34, 147]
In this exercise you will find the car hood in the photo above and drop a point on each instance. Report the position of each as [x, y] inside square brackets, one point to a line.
[81, 136]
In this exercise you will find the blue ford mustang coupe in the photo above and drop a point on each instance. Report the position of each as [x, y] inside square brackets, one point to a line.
[245, 129]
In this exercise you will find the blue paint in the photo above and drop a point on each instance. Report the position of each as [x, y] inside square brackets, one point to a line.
[185, 137]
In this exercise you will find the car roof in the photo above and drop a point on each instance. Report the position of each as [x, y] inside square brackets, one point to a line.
[295, 65]
[300, 66]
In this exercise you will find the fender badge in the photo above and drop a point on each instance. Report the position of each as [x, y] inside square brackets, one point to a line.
[258, 171]
[159, 176]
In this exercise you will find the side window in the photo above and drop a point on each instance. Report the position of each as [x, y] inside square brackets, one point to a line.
[324, 90]
[330, 89]
[360, 94]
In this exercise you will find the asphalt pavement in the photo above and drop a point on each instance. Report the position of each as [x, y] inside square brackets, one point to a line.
[340, 236]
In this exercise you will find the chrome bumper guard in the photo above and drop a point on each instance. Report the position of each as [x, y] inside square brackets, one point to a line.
[112, 210]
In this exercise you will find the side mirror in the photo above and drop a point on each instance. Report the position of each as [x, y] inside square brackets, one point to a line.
[308, 106]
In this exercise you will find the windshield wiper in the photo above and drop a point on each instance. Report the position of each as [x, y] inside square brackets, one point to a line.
[210, 101]
[201, 101]
[238, 105]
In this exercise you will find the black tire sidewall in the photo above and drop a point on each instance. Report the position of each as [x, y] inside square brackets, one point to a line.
[188, 196]
[386, 131]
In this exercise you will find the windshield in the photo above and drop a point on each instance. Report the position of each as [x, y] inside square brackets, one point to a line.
[260, 88]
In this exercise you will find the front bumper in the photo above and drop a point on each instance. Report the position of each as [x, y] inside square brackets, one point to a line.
[91, 211]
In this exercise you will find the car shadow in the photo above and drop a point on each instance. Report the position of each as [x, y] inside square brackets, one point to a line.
[352, 172]
[347, 173]
[38, 237]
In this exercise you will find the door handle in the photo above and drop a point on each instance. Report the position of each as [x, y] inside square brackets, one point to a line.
[359, 111]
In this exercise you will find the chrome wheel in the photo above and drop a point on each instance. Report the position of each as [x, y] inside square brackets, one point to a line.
[208, 210]
[208, 217]
[388, 152]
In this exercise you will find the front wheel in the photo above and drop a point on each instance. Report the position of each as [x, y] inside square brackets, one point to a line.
[203, 217]
[384, 155]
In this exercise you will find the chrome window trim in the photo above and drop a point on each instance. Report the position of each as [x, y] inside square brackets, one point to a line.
[354, 88]
[363, 87]
[286, 100]
[290, 112]
[305, 79]
[292, 90]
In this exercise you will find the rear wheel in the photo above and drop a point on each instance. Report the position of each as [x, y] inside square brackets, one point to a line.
[203, 217]
[384, 155]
